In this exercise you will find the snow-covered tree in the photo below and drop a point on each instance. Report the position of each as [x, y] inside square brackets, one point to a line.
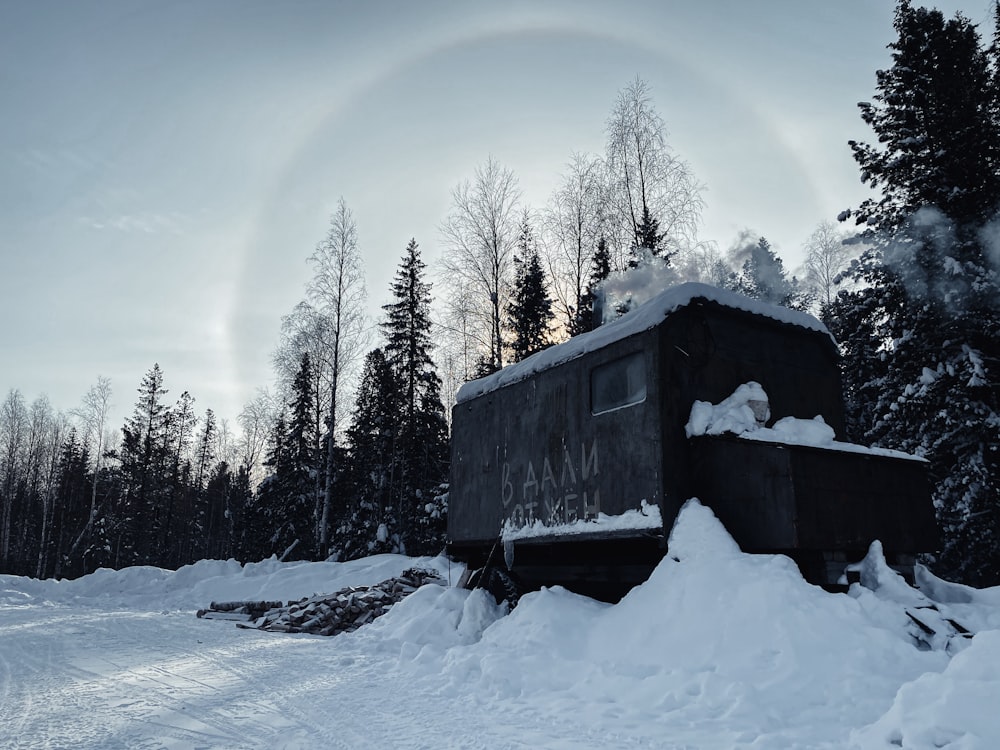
[921, 335]
[368, 524]
[762, 276]
[654, 197]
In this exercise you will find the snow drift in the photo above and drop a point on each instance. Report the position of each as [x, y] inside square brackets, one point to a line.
[718, 649]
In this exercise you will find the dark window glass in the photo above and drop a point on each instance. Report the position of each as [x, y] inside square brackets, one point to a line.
[617, 384]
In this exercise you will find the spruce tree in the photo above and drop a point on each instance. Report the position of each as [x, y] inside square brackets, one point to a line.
[530, 308]
[422, 434]
[286, 496]
[241, 501]
[205, 452]
[258, 534]
[72, 504]
[933, 113]
[144, 456]
[368, 524]
[921, 337]
[588, 316]
[199, 524]
[179, 514]
[647, 237]
[763, 277]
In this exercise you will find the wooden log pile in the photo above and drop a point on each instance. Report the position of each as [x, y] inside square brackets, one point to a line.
[244, 611]
[324, 614]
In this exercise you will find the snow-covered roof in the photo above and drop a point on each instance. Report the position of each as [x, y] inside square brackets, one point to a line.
[640, 319]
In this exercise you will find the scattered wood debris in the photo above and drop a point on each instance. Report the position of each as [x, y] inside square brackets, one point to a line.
[324, 614]
[244, 611]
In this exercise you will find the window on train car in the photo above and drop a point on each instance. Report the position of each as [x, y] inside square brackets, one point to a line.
[618, 383]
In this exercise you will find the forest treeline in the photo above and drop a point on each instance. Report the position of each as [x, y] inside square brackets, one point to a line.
[347, 453]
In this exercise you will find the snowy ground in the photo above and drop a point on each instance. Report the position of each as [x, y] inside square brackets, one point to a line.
[717, 650]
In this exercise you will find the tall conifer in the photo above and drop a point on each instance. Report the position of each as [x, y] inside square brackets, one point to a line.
[366, 524]
[285, 501]
[422, 433]
[920, 338]
[530, 310]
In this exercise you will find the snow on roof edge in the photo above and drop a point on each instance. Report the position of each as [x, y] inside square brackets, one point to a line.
[642, 318]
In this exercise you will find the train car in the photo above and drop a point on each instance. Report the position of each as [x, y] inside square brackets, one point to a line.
[570, 467]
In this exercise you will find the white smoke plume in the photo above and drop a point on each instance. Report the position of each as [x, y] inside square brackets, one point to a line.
[624, 290]
[928, 258]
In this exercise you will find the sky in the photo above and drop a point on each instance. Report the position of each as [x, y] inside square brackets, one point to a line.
[167, 168]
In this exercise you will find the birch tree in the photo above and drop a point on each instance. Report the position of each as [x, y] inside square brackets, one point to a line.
[574, 225]
[93, 416]
[654, 196]
[337, 293]
[480, 235]
[13, 433]
[256, 420]
[827, 259]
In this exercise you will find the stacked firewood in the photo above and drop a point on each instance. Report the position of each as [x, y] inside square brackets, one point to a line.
[324, 614]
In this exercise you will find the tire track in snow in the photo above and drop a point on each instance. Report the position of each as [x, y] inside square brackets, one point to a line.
[78, 677]
[113, 679]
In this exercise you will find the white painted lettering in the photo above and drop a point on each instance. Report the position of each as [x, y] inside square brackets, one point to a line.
[506, 488]
[529, 511]
[529, 481]
[588, 464]
[567, 469]
[569, 507]
[547, 475]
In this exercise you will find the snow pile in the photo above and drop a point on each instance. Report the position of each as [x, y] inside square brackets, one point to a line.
[717, 646]
[718, 649]
[886, 596]
[956, 708]
[745, 412]
[645, 517]
[978, 609]
[640, 319]
[192, 586]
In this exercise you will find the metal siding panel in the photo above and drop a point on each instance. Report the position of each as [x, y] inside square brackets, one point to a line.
[749, 487]
[784, 497]
[708, 351]
[857, 498]
[533, 449]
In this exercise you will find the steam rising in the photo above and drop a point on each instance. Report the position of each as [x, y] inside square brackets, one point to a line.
[624, 290]
[927, 255]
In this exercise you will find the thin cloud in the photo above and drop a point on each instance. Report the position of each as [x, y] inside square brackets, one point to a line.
[143, 222]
